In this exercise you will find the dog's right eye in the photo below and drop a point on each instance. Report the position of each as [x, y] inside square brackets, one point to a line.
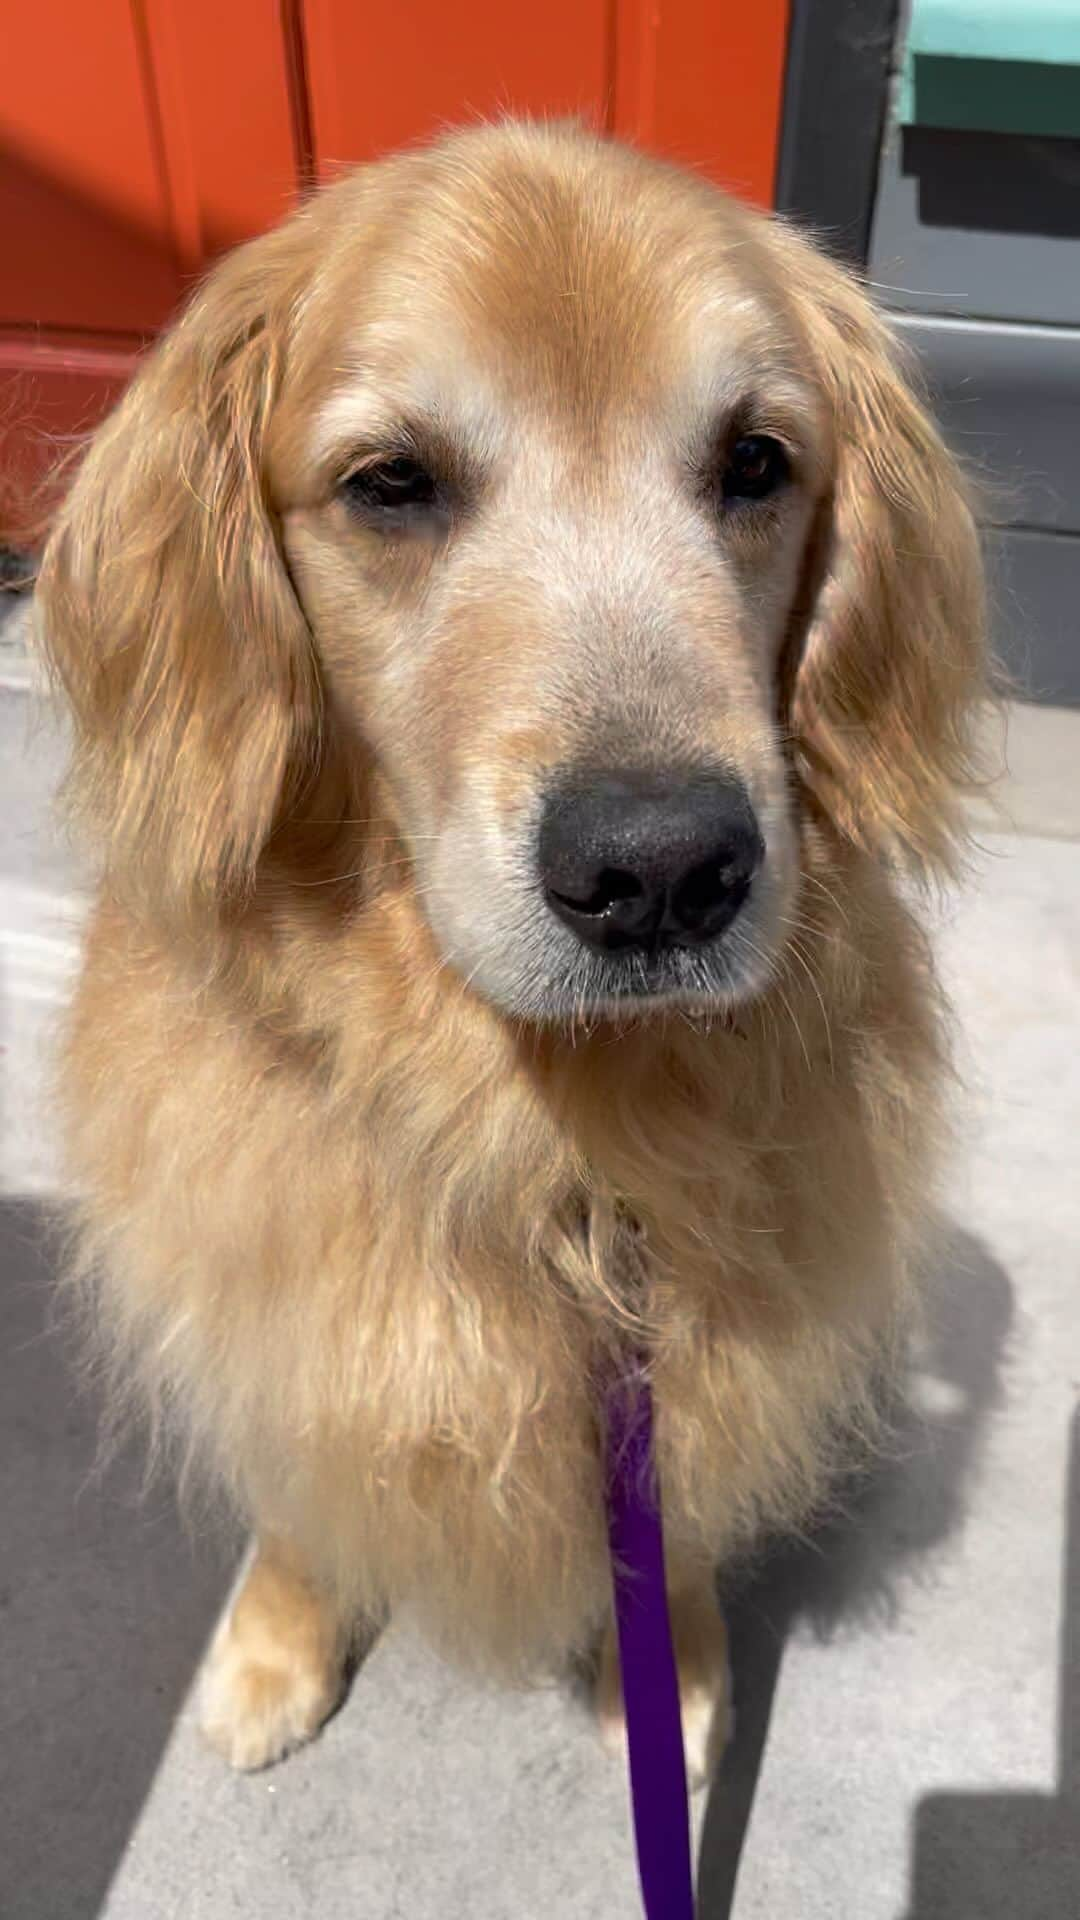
[389, 488]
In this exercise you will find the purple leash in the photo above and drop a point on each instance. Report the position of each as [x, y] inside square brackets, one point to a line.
[647, 1657]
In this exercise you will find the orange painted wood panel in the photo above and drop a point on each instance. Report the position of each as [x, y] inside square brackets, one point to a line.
[702, 82]
[83, 204]
[381, 77]
[223, 86]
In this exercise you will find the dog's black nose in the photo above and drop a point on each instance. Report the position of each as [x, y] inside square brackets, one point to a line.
[641, 860]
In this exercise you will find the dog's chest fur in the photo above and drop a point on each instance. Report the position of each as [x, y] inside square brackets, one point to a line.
[368, 1302]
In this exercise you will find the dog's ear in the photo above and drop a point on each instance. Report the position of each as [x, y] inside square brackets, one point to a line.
[890, 675]
[167, 613]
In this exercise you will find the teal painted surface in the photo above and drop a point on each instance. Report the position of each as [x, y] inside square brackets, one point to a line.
[999, 66]
[997, 29]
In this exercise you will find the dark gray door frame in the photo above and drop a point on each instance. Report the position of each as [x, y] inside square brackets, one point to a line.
[836, 89]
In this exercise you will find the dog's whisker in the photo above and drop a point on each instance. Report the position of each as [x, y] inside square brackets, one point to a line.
[795, 952]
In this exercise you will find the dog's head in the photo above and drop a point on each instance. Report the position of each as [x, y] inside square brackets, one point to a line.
[577, 507]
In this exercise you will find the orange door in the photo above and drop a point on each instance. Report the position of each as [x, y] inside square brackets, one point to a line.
[702, 82]
[698, 80]
[381, 76]
[226, 90]
[140, 138]
[83, 200]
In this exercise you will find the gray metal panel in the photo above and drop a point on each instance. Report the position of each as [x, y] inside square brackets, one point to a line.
[835, 93]
[1008, 398]
[978, 226]
[975, 248]
[1035, 602]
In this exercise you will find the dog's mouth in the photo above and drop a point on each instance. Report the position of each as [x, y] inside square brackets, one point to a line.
[633, 901]
[702, 981]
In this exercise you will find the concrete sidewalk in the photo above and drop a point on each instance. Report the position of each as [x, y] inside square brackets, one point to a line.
[908, 1688]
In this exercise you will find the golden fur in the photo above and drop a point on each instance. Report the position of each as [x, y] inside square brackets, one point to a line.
[354, 1230]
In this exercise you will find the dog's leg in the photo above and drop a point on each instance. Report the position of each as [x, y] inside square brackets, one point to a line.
[701, 1655]
[276, 1668]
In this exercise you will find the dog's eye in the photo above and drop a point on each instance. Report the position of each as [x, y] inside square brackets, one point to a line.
[756, 466]
[390, 486]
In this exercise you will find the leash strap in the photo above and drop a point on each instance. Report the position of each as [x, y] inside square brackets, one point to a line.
[647, 1657]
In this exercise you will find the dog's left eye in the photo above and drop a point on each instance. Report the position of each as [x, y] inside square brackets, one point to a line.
[757, 465]
[390, 486]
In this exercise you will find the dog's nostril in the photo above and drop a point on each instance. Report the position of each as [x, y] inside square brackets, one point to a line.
[611, 887]
[700, 888]
[715, 884]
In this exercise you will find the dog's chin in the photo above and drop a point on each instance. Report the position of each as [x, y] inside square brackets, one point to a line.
[706, 986]
[621, 989]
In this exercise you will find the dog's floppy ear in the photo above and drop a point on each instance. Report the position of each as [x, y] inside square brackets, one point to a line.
[889, 679]
[166, 610]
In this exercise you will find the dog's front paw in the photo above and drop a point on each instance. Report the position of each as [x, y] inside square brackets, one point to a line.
[254, 1710]
[708, 1717]
[276, 1668]
[708, 1721]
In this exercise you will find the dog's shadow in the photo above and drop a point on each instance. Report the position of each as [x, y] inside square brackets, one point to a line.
[857, 1567]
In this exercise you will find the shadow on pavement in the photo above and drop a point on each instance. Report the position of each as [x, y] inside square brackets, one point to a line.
[999, 1856]
[858, 1565]
[104, 1608]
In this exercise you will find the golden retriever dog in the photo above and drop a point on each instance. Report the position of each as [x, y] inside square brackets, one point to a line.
[521, 632]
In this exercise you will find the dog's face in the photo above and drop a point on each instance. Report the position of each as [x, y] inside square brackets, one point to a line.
[584, 486]
[548, 530]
